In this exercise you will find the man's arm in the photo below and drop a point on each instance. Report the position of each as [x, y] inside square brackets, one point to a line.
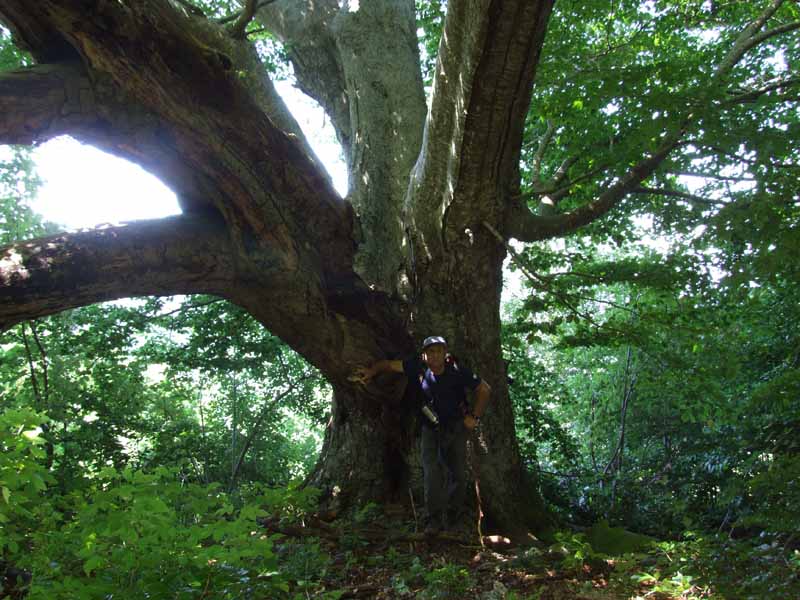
[482, 394]
[365, 374]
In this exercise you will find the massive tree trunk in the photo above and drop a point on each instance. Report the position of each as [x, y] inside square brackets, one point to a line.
[344, 282]
[415, 249]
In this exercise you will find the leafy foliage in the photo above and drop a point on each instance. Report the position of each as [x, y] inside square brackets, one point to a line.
[11, 57]
[654, 357]
[448, 581]
[23, 478]
[151, 534]
[18, 185]
[430, 20]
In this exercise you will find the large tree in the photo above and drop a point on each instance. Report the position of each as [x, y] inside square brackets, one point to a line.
[437, 186]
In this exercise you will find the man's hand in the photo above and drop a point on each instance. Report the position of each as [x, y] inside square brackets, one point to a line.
[470, 422]
[482, 393]
[362, 375]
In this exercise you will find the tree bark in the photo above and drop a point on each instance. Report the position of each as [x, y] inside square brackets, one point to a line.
[176, 255]
[264, 227]
[468, 166]
[306, 32]
[362, 65]
[48, 100]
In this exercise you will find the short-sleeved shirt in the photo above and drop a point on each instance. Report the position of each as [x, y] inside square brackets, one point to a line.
[447, 391]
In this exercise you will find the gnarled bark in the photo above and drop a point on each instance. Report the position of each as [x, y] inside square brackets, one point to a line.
[230, 127]
[467, 168]
[175, 255]
[52, 99]
[296, 258]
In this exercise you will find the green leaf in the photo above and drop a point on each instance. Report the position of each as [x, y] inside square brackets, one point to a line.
[38, 483]
[93, 563]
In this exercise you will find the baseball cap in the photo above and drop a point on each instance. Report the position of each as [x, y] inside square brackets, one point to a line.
[433, 339]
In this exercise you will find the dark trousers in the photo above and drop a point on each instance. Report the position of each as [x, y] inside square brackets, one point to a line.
[444, 468]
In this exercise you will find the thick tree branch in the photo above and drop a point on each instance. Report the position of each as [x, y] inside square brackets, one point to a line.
[481, 94]
[44, 101]
[291, 234]
[528, 227]
[306, 31]
[177, 255]
[240, 26]
[748, 39]
[376, 102]
[233, 130]
[37, 36]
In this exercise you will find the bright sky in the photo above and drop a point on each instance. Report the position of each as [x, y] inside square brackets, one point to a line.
[84, 187]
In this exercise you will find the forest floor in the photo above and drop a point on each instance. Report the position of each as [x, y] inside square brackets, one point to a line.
[386, 558]
[447, 568]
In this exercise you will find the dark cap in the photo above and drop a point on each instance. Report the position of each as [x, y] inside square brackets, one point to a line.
[434, 339]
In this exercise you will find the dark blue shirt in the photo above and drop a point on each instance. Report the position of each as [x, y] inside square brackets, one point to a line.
[447, 391]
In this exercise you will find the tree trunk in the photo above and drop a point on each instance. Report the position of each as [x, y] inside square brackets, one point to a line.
[369, 452]
[343, 282]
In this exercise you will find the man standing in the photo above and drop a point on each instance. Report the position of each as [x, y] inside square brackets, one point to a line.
[445, 425]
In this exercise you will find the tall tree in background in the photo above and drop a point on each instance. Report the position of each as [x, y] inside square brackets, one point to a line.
[628, 95]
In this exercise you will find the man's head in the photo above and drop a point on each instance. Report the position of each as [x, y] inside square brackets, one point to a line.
[434, 351]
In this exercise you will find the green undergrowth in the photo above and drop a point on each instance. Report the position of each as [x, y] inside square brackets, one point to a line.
[135, 534]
